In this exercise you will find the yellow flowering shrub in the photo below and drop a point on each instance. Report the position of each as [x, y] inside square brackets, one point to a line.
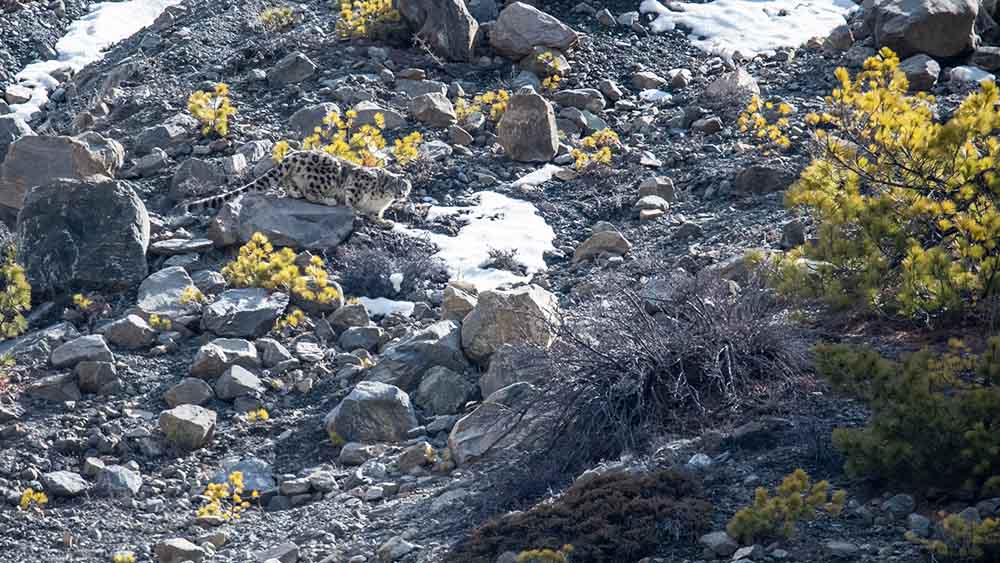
[961, 539]
[754, 119]
[15, 298]
[278, 18]
[280, 151]
[260, 265]
[362, 18]
[905, 205]
[545, 555]
[160, 323]
[259, 415]
[363, 145]
[192, 294]
[123, 557]
[30, 497]
[225, 500]
[492, 104]
[291, 322]
[596, 149]
[212, 110]
[771, 516]
[551, 82]
[82, 302]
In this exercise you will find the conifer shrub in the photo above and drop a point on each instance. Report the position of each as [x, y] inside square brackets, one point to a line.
[260, 265]
[776, 515]
[212, 110]
[961, 539]
[905, 204]
[612, 517]
[278, 18]
[15, 297]
[935, 417]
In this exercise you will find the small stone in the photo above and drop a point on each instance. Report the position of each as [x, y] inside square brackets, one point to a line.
[841, 549]
[719, 543]
[178, 550]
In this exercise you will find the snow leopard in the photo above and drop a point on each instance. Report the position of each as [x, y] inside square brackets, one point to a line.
[319, 177]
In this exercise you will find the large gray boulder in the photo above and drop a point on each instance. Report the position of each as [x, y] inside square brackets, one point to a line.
[513, 364]
[91, 348]
[939, 28]
[65, 483]
[91, 234]
[161, 293]
[294, 68]
[188, 427]
[12, 128]
[295, 223]
[445, 25]
[220, 354]
[373, 412]
[306, 120]
[40, 160]
[237, 382]
[404, 363]
[526, 315]
[506, 423]
[527, 131]
[244, 313]
[520, 28]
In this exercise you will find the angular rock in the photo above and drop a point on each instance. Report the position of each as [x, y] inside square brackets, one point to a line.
[190, 391]
[196, 177]
[443, 391]
[97, 377]
[76, 158]
[188, 427]
[986, 57]
[304, 121]
[294, 68]
[645, 80]
[12, 128]
[237, 382]
[175, 131]
[600, 243]
[86, 348]
[458, 301]
[445, 25]
[763, 179]
[244, 312]
[433, 109]
[64, 484]
[520, 28]
[352, 314]
[719, 543]
[295, 223]
[733, 88]
[506, 422]
[404, 363]
[372, 412]
[131, 333]
[415, 88]
[57, 388]
[527, 131]
[526, 315]
[939, 28]
[178, 550]
[90, 234]
[218, 355]
[117, 481]
[161, 293]
[361, 337]
[583, 98]
[513, 364]
[921, 72]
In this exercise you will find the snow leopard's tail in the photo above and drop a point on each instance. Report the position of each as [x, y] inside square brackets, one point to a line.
[270, 180]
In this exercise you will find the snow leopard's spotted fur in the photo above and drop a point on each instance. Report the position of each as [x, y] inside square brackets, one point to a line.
[318, 177]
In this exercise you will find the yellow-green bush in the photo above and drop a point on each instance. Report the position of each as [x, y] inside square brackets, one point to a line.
[755, 120]
[362, 18]
[961, 538]
[777, 515]
[260, 265]
[15, 299]
[491, 104]
[905, 205]
[546, 555]
[935, 418]
[278, 18]
[596, 149]
[225, 500]
[212, 110]
[360, 144]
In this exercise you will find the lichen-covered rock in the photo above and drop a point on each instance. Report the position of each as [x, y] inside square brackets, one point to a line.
[527, 131]
[521, 27]
[526, 315]
[188, 427]
[372, 412]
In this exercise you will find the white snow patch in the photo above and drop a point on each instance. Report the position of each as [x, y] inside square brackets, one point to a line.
[397, 281]
[495, 222]
[381, 306]
[540, 176]
[654, 95]
[84, 42]
[750, 27]
[969, 74]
